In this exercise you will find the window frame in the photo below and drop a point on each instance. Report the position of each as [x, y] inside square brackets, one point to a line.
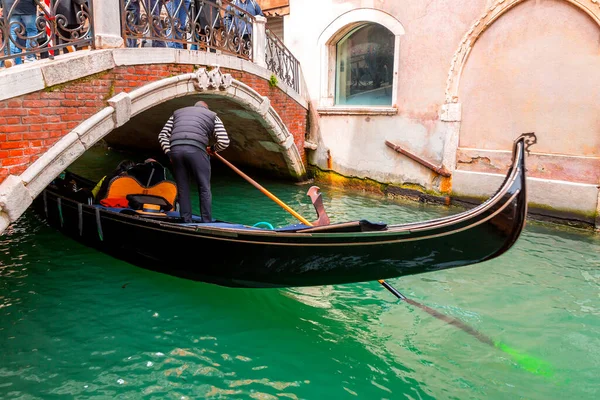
[328, 40]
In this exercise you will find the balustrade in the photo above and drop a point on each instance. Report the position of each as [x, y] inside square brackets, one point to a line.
[59, 26]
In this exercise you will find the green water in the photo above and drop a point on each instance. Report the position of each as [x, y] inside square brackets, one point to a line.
[75, 323]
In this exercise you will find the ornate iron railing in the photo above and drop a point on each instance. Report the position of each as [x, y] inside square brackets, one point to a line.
[192, 24]
[56, 26]
[282, 62]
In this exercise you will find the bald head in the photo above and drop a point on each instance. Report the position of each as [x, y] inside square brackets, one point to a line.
[201, 104]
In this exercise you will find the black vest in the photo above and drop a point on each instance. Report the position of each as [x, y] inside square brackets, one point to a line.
[192, 126]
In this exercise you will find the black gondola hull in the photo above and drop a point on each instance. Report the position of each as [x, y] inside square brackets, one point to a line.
[236, 256]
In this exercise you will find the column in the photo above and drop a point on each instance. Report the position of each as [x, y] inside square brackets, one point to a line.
[259, 40]
[107, 24]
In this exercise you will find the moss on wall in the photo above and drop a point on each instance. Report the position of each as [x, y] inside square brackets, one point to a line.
[61, 86]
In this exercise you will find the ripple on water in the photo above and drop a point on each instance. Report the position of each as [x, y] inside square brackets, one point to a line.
[77, 323]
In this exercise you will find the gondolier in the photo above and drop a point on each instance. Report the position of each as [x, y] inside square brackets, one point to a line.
[185, 139]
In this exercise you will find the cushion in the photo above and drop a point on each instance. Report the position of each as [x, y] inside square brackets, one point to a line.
[137, 201]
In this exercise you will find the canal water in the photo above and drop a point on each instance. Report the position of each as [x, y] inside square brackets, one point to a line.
[75, 323]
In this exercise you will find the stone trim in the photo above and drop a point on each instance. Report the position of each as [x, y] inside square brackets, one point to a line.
[28, 78]
[357, 110]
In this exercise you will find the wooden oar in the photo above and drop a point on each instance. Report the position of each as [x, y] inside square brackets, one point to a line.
[262, 189]
[527, 362]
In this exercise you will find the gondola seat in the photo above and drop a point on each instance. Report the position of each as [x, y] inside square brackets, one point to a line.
[128, 191]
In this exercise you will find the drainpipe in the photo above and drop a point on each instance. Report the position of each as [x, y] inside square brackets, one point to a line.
[259, 41]
[439, 170]
[107, 24]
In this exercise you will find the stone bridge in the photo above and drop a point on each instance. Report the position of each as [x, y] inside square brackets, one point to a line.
[52, 111]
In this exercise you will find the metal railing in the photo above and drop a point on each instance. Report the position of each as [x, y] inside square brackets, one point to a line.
[191, 24]
[281, 62]
[33, 29]
[204, 25]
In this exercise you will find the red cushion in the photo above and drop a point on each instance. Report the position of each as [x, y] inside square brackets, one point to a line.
[116, 202]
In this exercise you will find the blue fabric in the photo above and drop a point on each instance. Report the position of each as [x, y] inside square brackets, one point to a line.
[250, 7]
[180, 19]
[134, 8]
[16, 23]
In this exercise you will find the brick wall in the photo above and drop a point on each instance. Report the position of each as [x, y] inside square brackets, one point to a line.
[32, 123]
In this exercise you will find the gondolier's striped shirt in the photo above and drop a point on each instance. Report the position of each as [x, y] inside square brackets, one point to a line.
[219, 135]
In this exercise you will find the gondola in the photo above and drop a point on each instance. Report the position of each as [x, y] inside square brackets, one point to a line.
[150, 234]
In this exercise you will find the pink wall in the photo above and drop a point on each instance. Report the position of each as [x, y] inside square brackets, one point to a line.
[535, 69]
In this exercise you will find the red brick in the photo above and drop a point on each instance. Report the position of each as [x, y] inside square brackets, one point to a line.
[7, 162]
[36, 135]
[34, 103]
[18, 170]
[55, 127]
[13, 128]
[4, 174]
[11, 112]
[88, 96]
[37, 128]
[71, 117]
[53, 95]
[12, 137]
[35, 120]
[13, 120]
[50, 142]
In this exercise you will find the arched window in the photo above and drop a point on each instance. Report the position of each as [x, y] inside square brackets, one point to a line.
[364, 67]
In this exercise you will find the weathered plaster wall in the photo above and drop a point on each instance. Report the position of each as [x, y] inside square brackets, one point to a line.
[358, 147]
[534, 69]
[433, 31]
[471, 76]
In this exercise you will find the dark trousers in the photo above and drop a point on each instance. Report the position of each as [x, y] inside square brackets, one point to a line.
[192, 162]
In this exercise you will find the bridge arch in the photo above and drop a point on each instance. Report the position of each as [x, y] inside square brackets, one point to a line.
[282, 147]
